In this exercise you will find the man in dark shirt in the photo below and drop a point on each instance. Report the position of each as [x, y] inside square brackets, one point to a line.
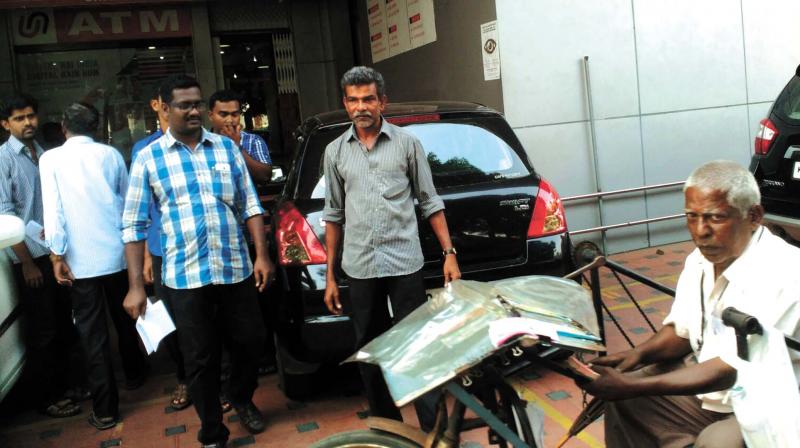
[372, 173]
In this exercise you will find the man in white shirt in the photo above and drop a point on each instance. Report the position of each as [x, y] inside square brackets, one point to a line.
[677, 396]
[83, 191]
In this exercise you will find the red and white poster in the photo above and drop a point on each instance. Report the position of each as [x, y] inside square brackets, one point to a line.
[421, 22]
[397, 25]
[378, 33]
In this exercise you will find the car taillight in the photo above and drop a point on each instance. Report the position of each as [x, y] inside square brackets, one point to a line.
[297, 243]
[765, 136]
[548, 213]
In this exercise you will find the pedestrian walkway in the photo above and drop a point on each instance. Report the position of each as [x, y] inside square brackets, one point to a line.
[148, 421]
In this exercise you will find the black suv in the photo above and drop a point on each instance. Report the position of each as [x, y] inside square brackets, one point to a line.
[776, 162]
[504, 219]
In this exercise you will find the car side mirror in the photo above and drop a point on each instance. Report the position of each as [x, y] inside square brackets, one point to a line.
[12, 230]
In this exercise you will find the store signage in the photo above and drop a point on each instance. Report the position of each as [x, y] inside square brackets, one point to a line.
[48, 26]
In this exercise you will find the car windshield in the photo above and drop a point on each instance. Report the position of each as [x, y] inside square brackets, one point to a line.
[460, 152]
[787, 106]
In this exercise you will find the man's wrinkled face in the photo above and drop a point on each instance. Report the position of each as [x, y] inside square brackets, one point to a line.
[185, 110]
[226, 113]
[364, 106]
[719, 230]
[22, 123]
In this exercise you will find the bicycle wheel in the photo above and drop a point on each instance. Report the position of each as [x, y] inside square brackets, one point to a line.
[368, 438]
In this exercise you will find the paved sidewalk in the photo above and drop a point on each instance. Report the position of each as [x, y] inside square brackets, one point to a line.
[148, 421]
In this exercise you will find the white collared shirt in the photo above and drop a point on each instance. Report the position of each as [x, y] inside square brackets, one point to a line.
[83, 192]
[764, 282]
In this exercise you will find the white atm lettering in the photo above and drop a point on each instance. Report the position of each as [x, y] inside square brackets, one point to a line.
[168, 17]
[84, 22]
[116, 20]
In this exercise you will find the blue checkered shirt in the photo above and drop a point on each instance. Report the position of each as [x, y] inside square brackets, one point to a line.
[204, 194]
[256, 147]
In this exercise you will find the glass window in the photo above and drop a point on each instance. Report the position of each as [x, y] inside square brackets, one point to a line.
[459, 153]
[119, 82]
[788, 103]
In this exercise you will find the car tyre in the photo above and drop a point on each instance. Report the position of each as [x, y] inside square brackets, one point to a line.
[295, 378]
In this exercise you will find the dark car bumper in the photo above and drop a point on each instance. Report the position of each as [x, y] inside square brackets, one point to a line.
[311, 334]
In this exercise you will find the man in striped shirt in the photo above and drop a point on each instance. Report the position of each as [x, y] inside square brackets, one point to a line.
[372, 174]
[202, 188]
[47, 312]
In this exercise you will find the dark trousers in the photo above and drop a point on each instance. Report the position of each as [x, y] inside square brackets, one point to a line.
[134, 362]
[670, 421]
[170, 342]
[90, 299]
[48, 333]
[371, 318]
[268, 353]
[203, 316]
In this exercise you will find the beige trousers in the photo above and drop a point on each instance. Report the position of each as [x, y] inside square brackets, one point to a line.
[668, 421]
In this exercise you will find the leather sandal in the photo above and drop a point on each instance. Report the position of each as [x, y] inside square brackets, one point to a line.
[61, 409]
[180, 398]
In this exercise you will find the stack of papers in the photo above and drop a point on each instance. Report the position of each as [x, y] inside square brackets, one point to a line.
[34, 231]
[154, 325]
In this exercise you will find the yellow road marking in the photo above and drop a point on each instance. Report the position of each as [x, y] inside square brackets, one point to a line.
[552, 412]
[641, 302]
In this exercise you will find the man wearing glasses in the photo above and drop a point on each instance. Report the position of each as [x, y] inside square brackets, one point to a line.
[670, 391]
[200, 183]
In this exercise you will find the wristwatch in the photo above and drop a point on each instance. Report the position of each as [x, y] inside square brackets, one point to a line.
[449, 251]
[54, 258]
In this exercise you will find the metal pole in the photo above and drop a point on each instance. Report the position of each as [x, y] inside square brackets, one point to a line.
[621, 191]
[593, 134]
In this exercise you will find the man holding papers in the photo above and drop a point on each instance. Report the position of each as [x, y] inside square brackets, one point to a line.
[200, 183]
[47, 313]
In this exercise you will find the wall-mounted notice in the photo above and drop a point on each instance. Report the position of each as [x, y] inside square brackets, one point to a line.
[422, 26]
[490, 51]
[378, 33]
[397, 26]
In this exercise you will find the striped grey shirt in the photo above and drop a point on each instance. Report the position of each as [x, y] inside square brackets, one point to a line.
[21, 190]
[371, 193]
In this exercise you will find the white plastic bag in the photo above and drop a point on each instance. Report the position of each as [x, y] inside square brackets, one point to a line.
[765, 397]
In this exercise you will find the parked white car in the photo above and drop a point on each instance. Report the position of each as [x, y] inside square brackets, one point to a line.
[12, 349]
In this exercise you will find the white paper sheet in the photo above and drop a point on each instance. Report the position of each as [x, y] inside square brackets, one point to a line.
[33, 230]
[154, 325]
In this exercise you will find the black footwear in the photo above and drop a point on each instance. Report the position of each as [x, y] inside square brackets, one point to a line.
[250, 418]
[60, 409]
[102, 423]
[214, 445]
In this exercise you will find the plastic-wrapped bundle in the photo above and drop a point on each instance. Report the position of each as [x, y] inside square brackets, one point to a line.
[450, 333]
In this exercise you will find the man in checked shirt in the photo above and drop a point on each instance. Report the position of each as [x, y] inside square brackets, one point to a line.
[372, 173]
[202, 188]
